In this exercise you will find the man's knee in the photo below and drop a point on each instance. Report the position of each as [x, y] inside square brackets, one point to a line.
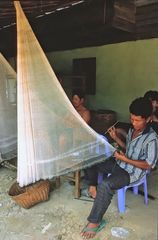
[106, 186]
[111, 184]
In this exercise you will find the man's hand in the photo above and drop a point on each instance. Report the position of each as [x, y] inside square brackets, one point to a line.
[112, 133]
[137, 163]
[119, 155]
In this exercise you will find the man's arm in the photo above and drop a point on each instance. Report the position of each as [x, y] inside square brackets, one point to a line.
[137, 163]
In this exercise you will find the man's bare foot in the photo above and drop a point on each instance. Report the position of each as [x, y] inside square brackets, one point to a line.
[92, 191]
[89, 231]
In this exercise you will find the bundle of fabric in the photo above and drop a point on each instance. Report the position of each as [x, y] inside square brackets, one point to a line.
[8, 111]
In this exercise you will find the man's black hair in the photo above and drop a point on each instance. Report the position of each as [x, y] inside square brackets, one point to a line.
[79, 93]
[141, 107]
[151, 95]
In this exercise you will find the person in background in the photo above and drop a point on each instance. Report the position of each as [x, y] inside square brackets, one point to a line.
[78, 100]
[152, 95]
[78, 103]
[140, 154]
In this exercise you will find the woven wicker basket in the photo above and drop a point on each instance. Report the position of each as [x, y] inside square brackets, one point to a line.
[30, 195]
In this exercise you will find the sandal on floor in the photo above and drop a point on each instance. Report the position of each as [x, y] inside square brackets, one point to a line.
[96, 229]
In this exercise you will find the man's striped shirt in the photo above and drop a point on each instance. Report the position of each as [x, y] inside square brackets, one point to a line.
[143, 147]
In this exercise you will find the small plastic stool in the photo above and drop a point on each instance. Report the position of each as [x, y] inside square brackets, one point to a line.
[121, 193]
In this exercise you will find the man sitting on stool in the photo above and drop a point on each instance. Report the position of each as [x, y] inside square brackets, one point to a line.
[125, 168]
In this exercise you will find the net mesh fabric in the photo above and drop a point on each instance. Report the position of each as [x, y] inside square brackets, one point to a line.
[8, 111]
[53, 139]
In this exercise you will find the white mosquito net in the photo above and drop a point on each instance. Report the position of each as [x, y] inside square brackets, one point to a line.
[8, 111]
[52, 137]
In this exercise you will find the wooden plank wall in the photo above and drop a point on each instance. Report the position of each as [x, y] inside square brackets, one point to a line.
[146, 19]
[124, 15]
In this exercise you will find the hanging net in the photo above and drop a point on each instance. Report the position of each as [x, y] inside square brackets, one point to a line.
[8, 111]
[53, 139]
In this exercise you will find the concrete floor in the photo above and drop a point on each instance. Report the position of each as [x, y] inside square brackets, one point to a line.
[63, 217]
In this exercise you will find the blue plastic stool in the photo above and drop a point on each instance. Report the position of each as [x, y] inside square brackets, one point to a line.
[121, 193]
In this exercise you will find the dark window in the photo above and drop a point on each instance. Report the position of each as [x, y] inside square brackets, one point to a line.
[86, 67]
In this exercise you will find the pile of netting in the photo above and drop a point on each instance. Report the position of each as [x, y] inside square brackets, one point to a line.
[8, 111]
[53, 139]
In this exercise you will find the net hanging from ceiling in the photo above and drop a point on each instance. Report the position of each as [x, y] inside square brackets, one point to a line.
[52, 137]
[8, 111]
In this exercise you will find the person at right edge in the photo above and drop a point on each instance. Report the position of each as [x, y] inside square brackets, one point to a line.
[152, 95]
[125, 167]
